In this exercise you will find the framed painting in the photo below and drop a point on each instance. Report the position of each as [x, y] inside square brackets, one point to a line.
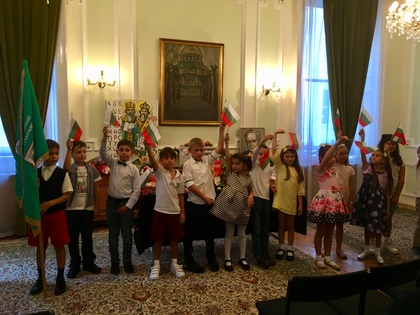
[191, 82]
[250, 137]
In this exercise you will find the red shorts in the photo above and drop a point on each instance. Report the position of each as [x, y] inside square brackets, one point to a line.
[166, 225]
[54, 226]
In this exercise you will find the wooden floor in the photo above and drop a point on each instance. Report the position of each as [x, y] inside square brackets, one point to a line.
[305, 243]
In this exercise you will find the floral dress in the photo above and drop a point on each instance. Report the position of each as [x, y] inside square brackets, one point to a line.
[328, 206]
[370, 204]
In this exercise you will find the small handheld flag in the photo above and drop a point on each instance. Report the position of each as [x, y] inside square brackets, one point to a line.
[145, 177]
[114, 121]
[75, 130]
[265, 161]
[399, 136]
[364, 118]
[110, 117]
[296, 144]
[337, 119]
[364, 148]
[229, 116]
[151, 134]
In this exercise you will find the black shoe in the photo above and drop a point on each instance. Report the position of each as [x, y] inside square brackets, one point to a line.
[193, 267]
[73, 271]
[128, 267]
[416, 250]
[37, 287]
[60, 286]
[290, 255]
[280, 254]
[115, 268]
[244, 264]
[214, 266]
[263, 263]
[91, 268]
[228, 265]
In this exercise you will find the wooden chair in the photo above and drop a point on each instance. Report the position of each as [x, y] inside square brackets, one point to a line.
[307, 295]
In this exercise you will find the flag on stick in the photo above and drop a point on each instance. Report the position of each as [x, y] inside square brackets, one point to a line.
[75, 130]
[265, 161]
[31, 150]
[229, 116]
[151, 134]
[110, 117]
[145, 177]
[364, 148]
[114, 121]
[364, 118]
[337, 119]
[296, 144]
[399, 136]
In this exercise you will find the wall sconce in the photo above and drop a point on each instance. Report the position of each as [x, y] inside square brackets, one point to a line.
[273, 88]
[101, 82]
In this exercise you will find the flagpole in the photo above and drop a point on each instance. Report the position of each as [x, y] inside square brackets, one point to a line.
[42, 260]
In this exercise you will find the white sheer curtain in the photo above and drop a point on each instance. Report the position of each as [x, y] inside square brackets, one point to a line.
[314, 117]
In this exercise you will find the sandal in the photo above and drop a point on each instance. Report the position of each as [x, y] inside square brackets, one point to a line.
[332, 265]
[341, 254]
[290, 255]
[244, 264]
[228, 265]
[280, 254]
[320, 264]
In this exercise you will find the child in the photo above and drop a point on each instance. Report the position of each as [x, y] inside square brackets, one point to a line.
[260, 212]
[289, 186]
[372, 203]
[391, 147]
[54, 191]
[234, 203]
[345, 175]
[327, 208]
[169, 212]
[123, 192]
[201, 194]
[416, 239]
[80, 207]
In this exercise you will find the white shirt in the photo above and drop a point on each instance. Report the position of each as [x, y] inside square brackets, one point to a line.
[198, 173]
[260, 177]
[167, 191]
[80, 193]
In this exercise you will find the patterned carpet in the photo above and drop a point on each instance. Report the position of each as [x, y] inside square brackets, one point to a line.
[208, 293]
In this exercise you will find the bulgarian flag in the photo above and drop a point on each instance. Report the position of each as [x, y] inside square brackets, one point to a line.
[337, 119]
[75, 130]
[295, 140]
[364, 118]
[364, 148]
[151, 134]
[110, 117]
[145, 177]
[114, 121]
[229, 116]
[265, 161]
[399, 136]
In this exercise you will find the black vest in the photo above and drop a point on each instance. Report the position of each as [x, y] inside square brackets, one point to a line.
[51, 189]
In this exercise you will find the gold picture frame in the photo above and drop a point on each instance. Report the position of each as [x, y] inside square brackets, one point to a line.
[190, 83]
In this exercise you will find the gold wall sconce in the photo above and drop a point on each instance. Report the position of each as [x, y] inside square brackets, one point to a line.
[101, 82]
[273, 88]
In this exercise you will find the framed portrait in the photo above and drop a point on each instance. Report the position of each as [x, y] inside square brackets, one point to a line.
[191, 82]
[250, 137]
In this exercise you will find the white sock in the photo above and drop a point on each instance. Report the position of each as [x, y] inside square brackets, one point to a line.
[318, 257]
[174, 261]
[327, 258]
[367, 248]
[156, 263]
[283, 246]
[377, 251]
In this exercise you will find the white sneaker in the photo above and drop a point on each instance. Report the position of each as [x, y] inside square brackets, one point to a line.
[379, 259]
[390, 247]
[363, 255]
[154, 273]
[177, 270]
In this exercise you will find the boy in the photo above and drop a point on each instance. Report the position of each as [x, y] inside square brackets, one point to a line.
[123, 192]
[169, 213]
[80, 207]
[54, 191]
[201, 194]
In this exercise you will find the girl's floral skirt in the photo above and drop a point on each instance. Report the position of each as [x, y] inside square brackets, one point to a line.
[328, 207]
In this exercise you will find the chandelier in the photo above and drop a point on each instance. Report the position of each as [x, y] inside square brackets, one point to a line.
[404, 20]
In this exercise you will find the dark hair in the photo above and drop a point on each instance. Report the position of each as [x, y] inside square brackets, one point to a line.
[323, 148]
[295, 164]
[77, 144]
[396, 157]
[52, 144]
[248, 156]
[125, 142]
[239, 156]
[167, 152]
[388, 170]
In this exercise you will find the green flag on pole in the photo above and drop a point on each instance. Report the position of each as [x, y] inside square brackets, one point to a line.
[31, 150]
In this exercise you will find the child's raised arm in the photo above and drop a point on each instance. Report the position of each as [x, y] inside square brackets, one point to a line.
[219, 148]
[365, 163]
[151, 156]
[274, 143]
[227, 153]
[67, 159]
[329, 154]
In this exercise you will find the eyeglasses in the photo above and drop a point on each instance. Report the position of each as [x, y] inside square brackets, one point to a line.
[342, 154]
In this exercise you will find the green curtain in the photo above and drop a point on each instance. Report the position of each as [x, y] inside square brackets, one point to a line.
[28, 30]
[349, 30]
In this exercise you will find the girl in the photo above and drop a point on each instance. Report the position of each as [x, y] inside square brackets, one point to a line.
[234, 203]
[327, 208]
[416, 239]
[372, 203]
[391, 147]
[345, 175]
[289, 187]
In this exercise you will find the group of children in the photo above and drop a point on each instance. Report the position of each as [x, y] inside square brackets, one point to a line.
[246, 194]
